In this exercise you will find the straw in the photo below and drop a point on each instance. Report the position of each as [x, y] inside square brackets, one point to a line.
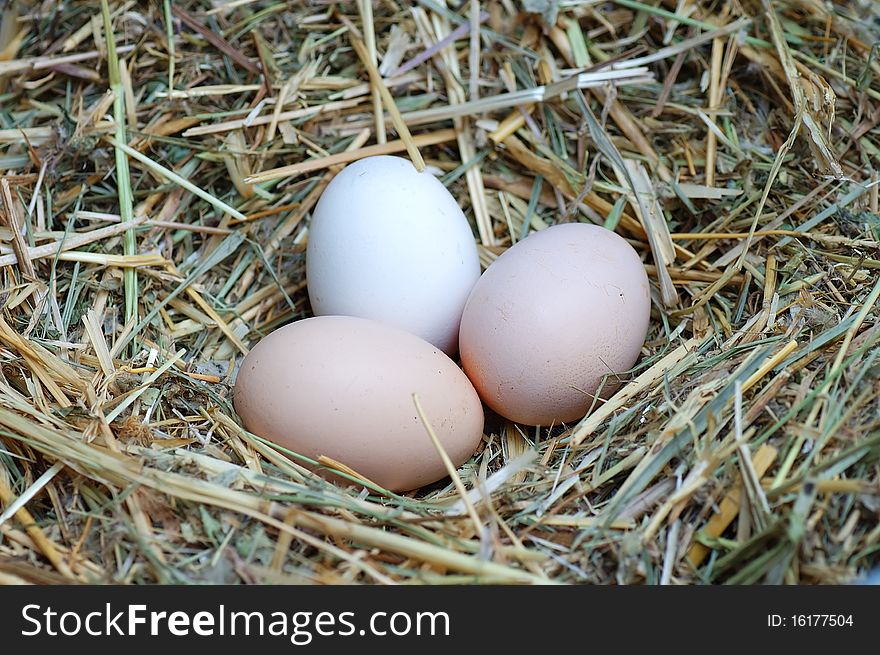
[191, 142]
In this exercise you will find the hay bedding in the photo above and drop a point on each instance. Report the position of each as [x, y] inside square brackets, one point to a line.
[150, 236]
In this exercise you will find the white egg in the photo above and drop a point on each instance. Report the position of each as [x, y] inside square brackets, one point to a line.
[391, 244]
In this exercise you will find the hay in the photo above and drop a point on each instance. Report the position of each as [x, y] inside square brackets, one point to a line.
[159, 165]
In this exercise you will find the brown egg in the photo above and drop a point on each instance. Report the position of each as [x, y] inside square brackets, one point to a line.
[550, 317]
[342, 387]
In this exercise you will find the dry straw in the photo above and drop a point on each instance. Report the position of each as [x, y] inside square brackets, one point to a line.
[158, 168]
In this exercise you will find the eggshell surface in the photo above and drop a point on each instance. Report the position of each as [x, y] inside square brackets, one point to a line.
[550, 317]
[342, 386]
[391, 244]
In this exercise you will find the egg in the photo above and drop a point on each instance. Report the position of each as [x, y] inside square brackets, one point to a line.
[343, 387]
[391, 244]
[550, 317]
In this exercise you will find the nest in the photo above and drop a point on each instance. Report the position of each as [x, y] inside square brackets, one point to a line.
[158, 166]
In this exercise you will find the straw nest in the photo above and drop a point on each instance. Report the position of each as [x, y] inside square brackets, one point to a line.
[159, 165]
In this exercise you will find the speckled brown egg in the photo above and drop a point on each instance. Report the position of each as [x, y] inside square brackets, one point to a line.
[343, 387]
[551, 318]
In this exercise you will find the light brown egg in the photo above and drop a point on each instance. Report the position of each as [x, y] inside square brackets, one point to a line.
[342, 387]
[552, 316]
